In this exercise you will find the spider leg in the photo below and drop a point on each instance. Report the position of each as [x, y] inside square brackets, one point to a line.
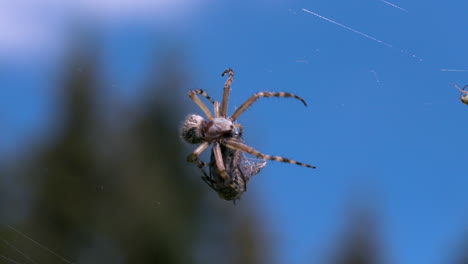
[227, 90]
[204, 94]
[219, 161]
[208, 181]
[194, 97]
[216, 109]
[461, 89]
[256, 96]
[200, 165]
[242, 147]
[193, 158]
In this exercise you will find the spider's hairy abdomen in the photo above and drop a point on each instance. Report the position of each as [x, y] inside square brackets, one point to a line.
[192, 130]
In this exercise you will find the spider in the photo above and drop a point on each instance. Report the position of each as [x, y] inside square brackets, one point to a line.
[463, 94]
[238, 167]
[229, 169]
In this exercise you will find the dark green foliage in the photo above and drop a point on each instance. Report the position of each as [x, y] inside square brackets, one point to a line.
[113, 186]
[360, 244]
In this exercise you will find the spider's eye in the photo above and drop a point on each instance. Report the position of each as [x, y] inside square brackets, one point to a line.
[192, 131]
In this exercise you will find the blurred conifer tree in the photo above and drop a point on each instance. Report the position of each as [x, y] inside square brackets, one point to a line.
[360, 244]
[121, 191]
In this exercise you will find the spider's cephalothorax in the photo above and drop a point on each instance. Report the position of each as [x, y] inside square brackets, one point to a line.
[463, 93]
[229, 169]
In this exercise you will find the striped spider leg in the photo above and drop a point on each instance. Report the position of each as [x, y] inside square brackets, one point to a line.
[241, 109]
[463, 93]
[226, 91]
[232, 144]
[242, 147]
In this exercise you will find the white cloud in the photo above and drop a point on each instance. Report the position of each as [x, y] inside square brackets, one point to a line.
[124, 9]
[24, 29]
[34, 27]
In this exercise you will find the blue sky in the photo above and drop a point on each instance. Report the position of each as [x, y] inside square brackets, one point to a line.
[383, 122]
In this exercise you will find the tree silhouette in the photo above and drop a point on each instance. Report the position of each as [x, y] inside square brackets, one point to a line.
[462, 250]
[118, 190]
[360, 244]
